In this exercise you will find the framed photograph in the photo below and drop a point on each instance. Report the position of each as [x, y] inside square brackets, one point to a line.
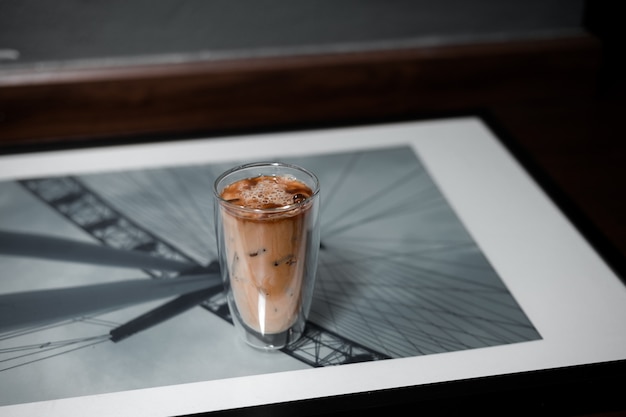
[446, 271]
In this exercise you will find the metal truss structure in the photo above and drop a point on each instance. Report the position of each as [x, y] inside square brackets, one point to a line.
[86, 209]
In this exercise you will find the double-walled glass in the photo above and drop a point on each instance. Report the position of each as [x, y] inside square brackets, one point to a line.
[268, 255]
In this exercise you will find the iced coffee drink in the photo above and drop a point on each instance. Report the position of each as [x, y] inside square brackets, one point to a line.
[267, 227]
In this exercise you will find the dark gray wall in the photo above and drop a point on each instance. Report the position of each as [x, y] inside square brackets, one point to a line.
[37, 31]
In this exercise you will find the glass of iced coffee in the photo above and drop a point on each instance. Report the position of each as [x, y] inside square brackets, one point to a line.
[267, 228]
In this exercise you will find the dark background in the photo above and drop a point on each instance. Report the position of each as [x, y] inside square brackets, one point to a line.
[71, 30]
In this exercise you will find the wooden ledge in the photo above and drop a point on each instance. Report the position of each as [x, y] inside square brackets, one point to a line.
[69, 104]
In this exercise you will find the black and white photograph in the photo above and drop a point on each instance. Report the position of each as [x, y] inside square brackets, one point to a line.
[110, 280]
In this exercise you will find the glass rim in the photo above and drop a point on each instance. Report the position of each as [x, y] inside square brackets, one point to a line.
[289, 207]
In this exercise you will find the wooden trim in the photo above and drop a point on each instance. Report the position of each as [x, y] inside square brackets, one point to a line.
[69, 104]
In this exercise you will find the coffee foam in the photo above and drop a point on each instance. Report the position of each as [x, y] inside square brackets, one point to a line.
[266, 192]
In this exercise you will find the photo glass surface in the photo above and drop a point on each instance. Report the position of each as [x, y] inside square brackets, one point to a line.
[109, 279]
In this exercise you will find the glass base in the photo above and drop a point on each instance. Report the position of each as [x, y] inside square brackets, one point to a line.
[270, 341]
